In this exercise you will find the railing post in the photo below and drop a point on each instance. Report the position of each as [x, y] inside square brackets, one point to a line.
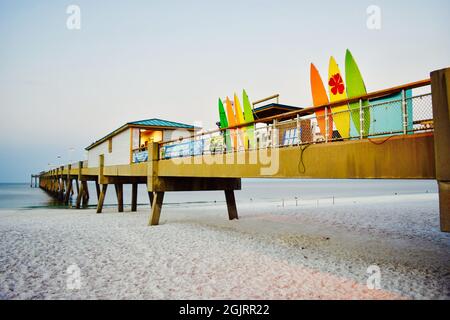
[298, 130]
[326, 125]
[440, 88]
[361, 119]
[274, 133]
[404, 113]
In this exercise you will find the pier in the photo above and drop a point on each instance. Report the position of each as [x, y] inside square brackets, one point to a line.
[417, 149]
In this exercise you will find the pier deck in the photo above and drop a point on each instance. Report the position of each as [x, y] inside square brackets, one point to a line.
[421, 153]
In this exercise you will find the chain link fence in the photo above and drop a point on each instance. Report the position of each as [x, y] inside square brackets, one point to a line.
[394, 114]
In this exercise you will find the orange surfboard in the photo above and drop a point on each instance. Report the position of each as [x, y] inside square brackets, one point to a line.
[320, 97]
[232, 122]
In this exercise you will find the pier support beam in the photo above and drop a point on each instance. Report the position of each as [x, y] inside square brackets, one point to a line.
[158, 185]
[69, 186]
[156, 208]
[231, 205]
[150, 196]
[119, 193]
[440, 88]
[101, 199]
[80, 195]
[134, 194]
[85, 195]
[97, 189]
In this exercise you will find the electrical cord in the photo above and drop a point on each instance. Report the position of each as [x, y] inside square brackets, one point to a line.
[380, 143]
[300, 161]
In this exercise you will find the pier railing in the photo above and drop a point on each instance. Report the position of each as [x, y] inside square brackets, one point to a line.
[390, 112]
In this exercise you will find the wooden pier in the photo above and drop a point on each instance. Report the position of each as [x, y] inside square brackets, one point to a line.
[422, 155]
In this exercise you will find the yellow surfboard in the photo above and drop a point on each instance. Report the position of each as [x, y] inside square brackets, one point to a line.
[240, 120]
[338, 92]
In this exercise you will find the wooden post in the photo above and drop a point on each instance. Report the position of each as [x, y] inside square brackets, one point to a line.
[97, 189]
[119, 193]
[158, 198]
[101, 199]
[80, 195]
[440, 88]
[61, 186]
[77, 185]
[85, 194]
[231, 204]
[69, 185]
[68, 190]
[134, 194]
[150, 196]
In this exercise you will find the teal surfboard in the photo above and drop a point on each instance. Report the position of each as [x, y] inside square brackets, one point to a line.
[356, 88]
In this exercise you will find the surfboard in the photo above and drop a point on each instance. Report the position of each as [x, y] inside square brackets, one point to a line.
[231, 122]
[336, 88]
[224, 124]
[320, 97]
[248, 117]
[356, 88]
[240, 120]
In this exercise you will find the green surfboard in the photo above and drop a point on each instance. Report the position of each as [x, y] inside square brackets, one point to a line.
[248, 117]
[356, 88]
[224, 124]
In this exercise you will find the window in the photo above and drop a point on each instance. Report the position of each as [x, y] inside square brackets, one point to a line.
[110, 145]
[290, 137]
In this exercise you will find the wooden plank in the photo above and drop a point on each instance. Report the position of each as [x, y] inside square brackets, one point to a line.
[156, 208]
[196, 184]
[101, 199]
[231, 205]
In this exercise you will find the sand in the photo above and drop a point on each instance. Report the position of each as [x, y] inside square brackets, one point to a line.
[310, 251]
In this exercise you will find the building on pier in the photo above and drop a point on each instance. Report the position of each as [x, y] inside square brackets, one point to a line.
[129, 143]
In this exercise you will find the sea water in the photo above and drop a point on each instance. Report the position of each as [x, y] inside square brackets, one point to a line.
[21, 196]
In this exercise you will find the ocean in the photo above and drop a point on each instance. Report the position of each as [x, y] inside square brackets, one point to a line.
[21, 196]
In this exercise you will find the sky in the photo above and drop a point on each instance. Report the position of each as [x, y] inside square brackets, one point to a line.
[61, 88]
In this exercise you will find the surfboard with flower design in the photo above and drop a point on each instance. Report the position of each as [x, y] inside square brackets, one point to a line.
[337, 92]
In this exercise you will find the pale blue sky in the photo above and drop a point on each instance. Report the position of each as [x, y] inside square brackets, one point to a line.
[134, 60]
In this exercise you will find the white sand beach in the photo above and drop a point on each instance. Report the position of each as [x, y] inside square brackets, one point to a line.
[310, 251]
